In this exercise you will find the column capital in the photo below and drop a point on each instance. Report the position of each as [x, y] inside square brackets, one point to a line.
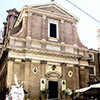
[77, 66]
[25, 14]
[27, 60]
[63, 64]
[11, 59]
[74, 24]
[43, 62]
[62, 21]
[30, 13]
[23, 60]
[28, 37]
[44, 17]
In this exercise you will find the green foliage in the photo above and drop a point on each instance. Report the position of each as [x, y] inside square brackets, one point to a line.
[67, 91]
[46, 91]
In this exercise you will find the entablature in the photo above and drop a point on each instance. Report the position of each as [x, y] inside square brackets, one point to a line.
[20, 43]
[39, 54]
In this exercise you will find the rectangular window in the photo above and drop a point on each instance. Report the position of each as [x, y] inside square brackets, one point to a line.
[91, 55]
[53, 30]
[53, 34]
[91, 70]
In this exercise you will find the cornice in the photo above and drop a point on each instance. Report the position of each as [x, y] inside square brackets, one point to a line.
[55, 4]
[42, 52]
[49, 13]
[43, 12]
[93, 51]
[19, 18]
[85, 58]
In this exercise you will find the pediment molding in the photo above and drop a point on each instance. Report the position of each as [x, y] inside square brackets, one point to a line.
[65, 14]
[56, 6]
[53, 74]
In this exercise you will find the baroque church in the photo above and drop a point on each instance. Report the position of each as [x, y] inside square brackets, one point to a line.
[42, 47]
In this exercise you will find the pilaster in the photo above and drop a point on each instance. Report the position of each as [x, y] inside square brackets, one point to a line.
[43, 68]
[10, 71]
[29, 28]
[84, 76]
[63, 65]
[62, 31]
[27, 73]
[76, 77]
[75, 31]
[43, 27]
[25, 15]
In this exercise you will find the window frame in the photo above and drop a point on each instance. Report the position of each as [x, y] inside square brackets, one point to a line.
[92, 56]
[94, 70]
[51, 21]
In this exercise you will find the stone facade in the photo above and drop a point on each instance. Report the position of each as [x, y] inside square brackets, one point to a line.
[37, 58]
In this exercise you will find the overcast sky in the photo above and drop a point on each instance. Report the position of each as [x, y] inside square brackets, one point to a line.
[87, 27]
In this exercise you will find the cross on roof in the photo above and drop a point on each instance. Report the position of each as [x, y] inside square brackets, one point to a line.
[52, 0]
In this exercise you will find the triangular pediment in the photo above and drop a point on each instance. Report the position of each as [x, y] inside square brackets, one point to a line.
[54, 8]
[49, 8]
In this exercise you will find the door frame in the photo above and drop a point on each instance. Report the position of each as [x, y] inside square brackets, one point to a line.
[59, 85]
[55, 83]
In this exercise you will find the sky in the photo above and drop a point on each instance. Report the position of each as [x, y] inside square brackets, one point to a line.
[87, 27]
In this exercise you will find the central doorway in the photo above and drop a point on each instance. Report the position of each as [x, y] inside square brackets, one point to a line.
[53, 89]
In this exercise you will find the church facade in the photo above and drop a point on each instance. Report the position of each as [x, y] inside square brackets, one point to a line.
[43, 49]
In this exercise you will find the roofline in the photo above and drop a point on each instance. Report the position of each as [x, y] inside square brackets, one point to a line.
[27, 8]
[40, 4]
[55, 3]
[93, 50]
